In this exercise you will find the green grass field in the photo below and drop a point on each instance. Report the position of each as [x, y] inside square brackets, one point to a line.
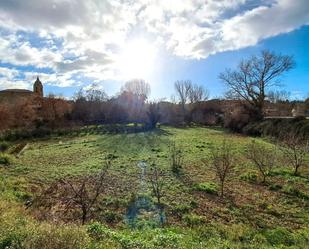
[251, 215]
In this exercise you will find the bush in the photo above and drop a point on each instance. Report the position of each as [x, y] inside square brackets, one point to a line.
[65, 237]
[252, 129]
[193, 220]
[176, 155]
[237, 120]
[97, 231]
[279, 236]
[249, 176]
[166, 239]
[208, 187]
[275, 187]
[278, 128]
[264, 158]
[180, 210]
[41, 132]
[3, 146]
[111, 217]
[290, 190]
[13, 239]
[5, 159]
[295, 150]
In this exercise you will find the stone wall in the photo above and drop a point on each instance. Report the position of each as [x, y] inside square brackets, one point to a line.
[12, 97]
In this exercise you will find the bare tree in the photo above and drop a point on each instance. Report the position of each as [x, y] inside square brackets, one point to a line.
[153, 114]
[95, 94]
[79, 95]
[189, 93]
[278, 96]
[254, 77]
[138, 87]
[157, 182]
[223, 161]
[183, 88]
[264, 158]
[197, 94]
[295, 150]
[89, 105]
[84, 193]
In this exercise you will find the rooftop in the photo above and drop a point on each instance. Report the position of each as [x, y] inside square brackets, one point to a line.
[16, 91]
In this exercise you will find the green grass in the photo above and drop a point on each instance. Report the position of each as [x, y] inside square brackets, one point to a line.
[208, 187]
[264, 216]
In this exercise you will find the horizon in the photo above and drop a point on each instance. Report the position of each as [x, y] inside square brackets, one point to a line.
[157, 42]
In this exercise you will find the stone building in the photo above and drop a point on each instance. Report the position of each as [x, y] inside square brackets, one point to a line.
[25, 108]
[13, 96]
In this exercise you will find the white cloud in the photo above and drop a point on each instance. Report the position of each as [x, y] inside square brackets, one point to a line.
[263, 22]
[23, 54]
[91, 33]
[8, 79]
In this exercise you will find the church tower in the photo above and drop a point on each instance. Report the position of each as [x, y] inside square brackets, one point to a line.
[38, 87]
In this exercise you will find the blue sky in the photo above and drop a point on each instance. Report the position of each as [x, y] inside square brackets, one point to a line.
[206, 71]
[75, 44]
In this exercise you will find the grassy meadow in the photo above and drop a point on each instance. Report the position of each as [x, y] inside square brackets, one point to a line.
[274, 214]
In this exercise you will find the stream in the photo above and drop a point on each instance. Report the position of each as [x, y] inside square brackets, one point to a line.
[142, 211]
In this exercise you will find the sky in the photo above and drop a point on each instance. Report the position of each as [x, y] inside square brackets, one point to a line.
[74, 44]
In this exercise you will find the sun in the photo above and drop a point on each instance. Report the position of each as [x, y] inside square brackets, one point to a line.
[137, 59]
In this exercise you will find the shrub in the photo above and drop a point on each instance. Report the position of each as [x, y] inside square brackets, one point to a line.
[111, 217]
[240, 232]
[65, 237]
[295, 150]
[41, 132]
[263, 158]
[176, 159]
[290, 190]
[111, 156]
[193, 220]
[279, 128]
[157, 182]
[249, 176]
[279, 236]
[223, 161]
[181, 209]
[5, 159]
[97, 231]
[208, 187]
[208, 232]
[3, 146]
[166, 239]
[301, 237]
[237, 120]
[252, 129]
[13, 239]
[79, 194]
[275, 187]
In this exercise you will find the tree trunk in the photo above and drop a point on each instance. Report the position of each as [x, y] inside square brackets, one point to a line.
[264, 178]
[296, 171]
[222, 188]
[84, 216]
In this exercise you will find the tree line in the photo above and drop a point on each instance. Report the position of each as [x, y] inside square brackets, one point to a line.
[250, 88]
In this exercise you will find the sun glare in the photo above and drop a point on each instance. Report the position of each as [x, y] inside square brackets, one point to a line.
[137, 59]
